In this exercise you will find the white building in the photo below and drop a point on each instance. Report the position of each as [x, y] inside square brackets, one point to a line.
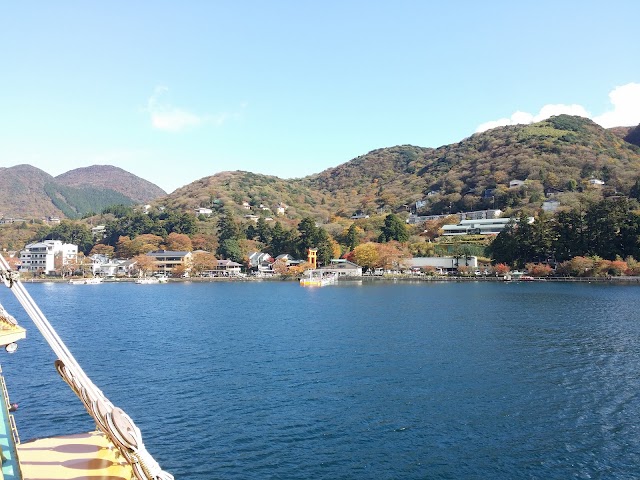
[103, 266]
[204, 211]
[281, 208]
[342, 268]
[477, 227]
[41, 257]
[476, 215]
[550, 205]
[99, 231]
[415, 219]
[481, 214]
[443, 264]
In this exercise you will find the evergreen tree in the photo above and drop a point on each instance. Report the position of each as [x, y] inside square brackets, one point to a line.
[230, 250]
[263, 231]
[228, 228]
[74, 233]
[352, 237]
[394, 229]
[282, 241]
[570, 233]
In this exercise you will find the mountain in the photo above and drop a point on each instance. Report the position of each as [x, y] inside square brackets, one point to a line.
[28, 192]
[633, 136]
[558, 156]
[107, 177]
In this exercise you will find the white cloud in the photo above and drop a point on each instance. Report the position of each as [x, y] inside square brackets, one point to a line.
[625, 101]
[171, 119]
[626, 107]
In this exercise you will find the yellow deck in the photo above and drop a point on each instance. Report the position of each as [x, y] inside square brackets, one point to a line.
[81, 456]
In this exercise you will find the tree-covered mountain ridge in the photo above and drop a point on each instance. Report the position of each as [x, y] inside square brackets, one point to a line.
[28, 192]
[556, 157]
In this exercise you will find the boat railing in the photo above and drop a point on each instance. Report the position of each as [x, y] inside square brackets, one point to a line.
[14, 429]
[12, 422]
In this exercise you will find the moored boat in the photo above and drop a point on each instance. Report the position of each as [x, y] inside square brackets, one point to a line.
[86, 281]
[317, 278]
[151, 280]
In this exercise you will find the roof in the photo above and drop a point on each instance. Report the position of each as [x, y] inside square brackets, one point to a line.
[167, 253]
[228, 263]
[340, 264]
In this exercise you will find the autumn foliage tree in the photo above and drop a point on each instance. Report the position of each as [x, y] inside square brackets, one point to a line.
[539, 269]
[179, 242]
[102, 249]
[202, 262]
[366, 255]
[501, 269]
[144, 264]
[373, 255]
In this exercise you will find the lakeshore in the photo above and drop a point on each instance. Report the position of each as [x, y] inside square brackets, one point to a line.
[373, 279]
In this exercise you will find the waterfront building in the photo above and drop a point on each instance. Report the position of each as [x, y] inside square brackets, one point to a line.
[342, 267]
[45, 256]
[166, 261]
[443, 264]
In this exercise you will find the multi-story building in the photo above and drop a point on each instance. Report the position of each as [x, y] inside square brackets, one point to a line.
[477, 227]
[166, 261]
[45, 257]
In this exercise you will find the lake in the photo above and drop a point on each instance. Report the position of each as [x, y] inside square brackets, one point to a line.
[270, 380]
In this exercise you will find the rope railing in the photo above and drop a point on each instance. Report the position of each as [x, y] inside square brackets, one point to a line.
[111, 420]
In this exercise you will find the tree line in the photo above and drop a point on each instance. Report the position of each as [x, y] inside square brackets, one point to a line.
[608, 229]
[129, 233]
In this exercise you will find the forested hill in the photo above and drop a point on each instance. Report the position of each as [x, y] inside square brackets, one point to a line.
[107, 177]
[559, 155]
[28, 192]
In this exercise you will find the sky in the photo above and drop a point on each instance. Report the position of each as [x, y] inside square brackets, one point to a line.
[174, 91]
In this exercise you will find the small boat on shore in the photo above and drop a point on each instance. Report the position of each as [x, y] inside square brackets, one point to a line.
[317, 278]
[151, 280]
[85, 281]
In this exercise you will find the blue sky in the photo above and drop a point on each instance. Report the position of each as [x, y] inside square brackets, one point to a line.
[177, 91]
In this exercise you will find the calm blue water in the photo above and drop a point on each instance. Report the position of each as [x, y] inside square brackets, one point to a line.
[385, 381]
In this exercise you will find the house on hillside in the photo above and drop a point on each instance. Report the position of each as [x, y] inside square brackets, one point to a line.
[596, 182]
[99, 231]
[516, 183]
[476, 227]
[281, 208]
[550, 206]
[204, 211]
[481, 214]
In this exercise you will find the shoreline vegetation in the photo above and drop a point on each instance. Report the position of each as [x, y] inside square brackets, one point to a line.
[390, 278]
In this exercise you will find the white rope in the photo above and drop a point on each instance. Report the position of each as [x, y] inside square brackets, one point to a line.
[74, 371]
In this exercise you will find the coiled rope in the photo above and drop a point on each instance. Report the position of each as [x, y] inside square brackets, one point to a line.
[111, 420]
